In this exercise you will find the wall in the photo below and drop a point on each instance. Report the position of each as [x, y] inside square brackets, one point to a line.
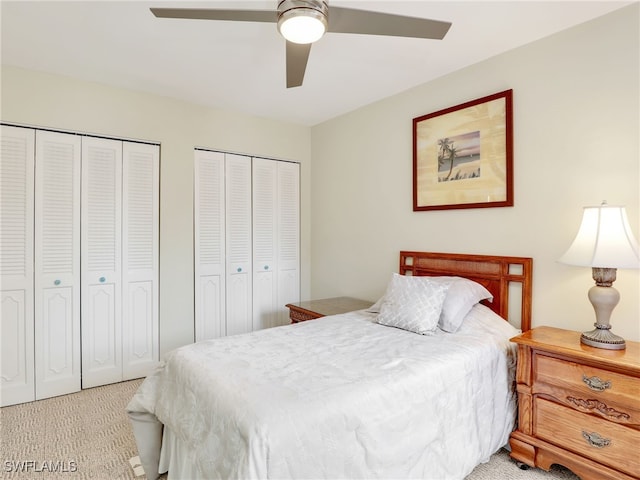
[42, 100]
[576, 143]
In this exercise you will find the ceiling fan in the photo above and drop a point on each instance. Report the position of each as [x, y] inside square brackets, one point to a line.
[302, 22]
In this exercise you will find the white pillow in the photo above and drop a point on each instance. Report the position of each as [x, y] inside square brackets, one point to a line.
[413, 303]
[461, 296]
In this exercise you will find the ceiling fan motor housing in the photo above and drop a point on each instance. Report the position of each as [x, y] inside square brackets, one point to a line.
[315, 9]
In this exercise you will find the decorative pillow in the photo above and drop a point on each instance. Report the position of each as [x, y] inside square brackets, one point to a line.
[413, 303]
[462, 295]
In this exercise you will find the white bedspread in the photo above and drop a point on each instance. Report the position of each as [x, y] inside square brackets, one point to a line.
[339, 397]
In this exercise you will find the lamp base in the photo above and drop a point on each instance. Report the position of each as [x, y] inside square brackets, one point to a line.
[601, 337]
[604, 297]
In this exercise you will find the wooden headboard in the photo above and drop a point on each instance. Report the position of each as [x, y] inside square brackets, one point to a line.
[497, 274]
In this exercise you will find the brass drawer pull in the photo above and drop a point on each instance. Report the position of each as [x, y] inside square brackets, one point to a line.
[594, 383]
[595, 440]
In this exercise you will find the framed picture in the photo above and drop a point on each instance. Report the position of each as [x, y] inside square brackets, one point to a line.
[463, 155]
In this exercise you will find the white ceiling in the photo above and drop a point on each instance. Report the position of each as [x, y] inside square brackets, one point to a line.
[241, 66]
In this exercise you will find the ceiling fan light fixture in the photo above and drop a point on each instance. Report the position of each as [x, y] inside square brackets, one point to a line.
[302, 21]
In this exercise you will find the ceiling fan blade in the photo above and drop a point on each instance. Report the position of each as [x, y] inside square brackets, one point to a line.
[297, 56]
[349, 20]
[215, 14]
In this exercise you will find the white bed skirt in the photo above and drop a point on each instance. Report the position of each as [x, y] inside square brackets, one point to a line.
[176, 459]
[148, 432]
[160, 450]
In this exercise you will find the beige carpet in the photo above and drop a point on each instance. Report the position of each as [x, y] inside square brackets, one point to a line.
[87, 435]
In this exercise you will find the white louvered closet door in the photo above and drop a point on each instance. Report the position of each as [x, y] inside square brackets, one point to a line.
[57, 264]
[209, 244]
[101, 261]
[140, 254]
[265, 267]
[238, 244]
[16, 265]
[288, 237]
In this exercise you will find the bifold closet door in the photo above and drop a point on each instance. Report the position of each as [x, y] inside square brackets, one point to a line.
[57, 264]
[265, 225]
[238, 244]
[140, 258]
[246, 242]
[276, 240]
[288, 238]
[16, 265]
[209, 244]
[120, 255]
[65, 218]
[101, 261]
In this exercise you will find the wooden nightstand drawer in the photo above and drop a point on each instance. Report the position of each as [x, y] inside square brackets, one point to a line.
[301, 315]
[611, 395]
[605, 442]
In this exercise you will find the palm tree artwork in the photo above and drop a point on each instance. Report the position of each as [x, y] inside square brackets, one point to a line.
[444, 145]
[459, 157]
[452, 156]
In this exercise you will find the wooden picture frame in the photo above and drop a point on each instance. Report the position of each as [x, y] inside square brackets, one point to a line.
[463, 155]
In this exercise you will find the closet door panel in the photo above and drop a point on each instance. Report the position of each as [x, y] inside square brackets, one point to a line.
[239, 303]
[58, 351]
[288, 237]
[57, 264]
[16, 265]
[210, 301]
[209, 244]
[264, 308]
[238, 243]
[17, 347]
[140, 331]
[265, 268]
[140, 253]
[101, 261]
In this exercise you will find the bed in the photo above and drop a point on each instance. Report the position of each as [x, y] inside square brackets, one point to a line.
[356, 395]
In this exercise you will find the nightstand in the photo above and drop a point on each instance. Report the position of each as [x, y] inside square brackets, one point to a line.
[311, 309]
[578, 406]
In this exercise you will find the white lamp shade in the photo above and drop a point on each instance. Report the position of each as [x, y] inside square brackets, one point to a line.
[604, 240]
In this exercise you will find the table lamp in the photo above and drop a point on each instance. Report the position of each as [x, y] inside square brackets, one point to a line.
[605, 243]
